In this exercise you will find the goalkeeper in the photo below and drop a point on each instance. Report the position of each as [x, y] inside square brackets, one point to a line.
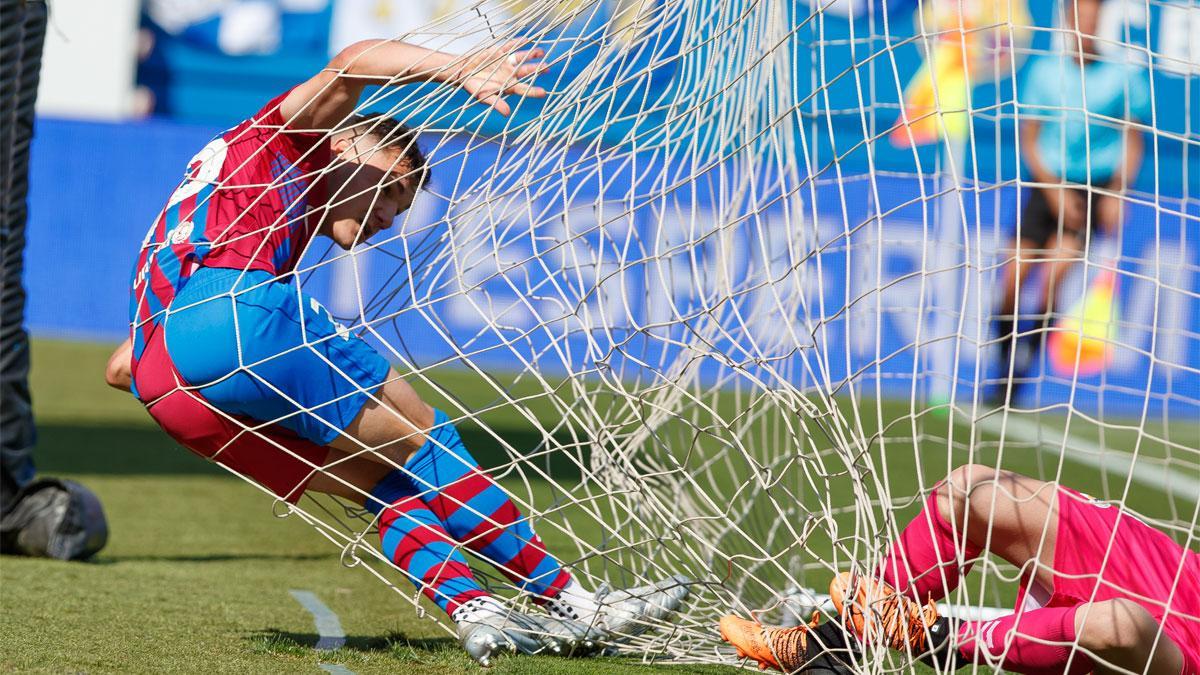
[1100, 590]
[1083, 153]
[236, 363]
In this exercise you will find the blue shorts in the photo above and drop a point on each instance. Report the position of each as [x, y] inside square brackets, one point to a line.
[262, 349]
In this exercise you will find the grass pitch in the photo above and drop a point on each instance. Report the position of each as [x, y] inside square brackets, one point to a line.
[196, 574]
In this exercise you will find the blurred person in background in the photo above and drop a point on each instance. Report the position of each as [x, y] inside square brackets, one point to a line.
[1082, 151]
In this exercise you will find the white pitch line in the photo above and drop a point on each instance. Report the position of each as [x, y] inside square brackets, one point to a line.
[329, 629]
[1082, 451]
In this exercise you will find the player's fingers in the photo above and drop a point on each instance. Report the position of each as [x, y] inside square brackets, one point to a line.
[531, 69]
[497, 103]
[521, 57]
[527, 90]
[512, 45]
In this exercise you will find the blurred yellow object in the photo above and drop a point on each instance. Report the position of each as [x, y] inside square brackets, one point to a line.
[967, 42]
[1083, 339]
[936, 96]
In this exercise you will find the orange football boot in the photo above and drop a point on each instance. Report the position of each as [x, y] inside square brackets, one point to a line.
[784, 649]
[880, 614]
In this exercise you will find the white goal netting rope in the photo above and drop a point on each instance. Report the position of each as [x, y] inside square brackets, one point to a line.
[739, 333]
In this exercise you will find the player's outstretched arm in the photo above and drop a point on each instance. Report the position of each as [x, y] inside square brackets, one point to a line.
[328, 98]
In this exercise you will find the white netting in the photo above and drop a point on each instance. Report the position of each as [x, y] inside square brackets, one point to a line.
[703, 315]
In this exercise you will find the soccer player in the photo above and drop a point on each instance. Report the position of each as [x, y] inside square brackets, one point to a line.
[237, 363]
[1100, 590]
[1081, 149]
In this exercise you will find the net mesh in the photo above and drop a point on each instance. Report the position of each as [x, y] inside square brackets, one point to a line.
[721, 303]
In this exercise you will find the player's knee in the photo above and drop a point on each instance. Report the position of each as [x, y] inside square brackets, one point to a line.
[1113, 626]
[409, 409]
[955, 493]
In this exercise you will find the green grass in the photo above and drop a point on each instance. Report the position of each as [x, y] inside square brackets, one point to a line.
[197, 571]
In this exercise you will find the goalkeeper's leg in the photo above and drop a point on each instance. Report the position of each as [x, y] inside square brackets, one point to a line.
[1073, 548]
[1115, 635]
[1112, 636]
[976, 506]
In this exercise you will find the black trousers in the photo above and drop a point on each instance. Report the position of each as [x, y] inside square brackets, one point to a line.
[22, 31]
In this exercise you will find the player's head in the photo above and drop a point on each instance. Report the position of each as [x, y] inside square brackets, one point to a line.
[377, 170]
[1082, 17]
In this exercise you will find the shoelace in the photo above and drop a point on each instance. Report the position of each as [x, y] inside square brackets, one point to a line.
[902, 623]
[790, 645]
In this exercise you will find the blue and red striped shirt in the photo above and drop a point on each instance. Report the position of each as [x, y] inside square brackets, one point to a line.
[249, 200]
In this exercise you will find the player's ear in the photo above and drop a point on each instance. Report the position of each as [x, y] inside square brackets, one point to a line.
[340, 143]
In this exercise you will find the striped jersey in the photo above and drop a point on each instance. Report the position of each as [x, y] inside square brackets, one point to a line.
[248, 200]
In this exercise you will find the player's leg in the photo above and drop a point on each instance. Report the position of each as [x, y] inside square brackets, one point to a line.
[1112, 636]
[425, 446]
[1121, 634]
[276, 381]
[289, 465]
[412, 537]
[1063, 251]
[976, 508]
[1026, 252]
[479, 513]
[264, 350]
[414, 540]
[1039, 223]
[1017, 518]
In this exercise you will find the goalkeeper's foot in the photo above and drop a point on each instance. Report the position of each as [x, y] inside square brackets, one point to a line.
[807, 648]
[625, 613]
[879, 614]
[487, 628]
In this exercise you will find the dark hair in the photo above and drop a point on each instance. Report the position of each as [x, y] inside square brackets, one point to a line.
[391, 133]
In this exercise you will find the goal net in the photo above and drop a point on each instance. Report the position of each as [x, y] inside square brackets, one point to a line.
[723, 303]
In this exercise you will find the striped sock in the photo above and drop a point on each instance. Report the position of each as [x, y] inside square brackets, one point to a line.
[476, 511]
[414, 540]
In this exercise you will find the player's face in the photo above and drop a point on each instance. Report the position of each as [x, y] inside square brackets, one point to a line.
[367, 191]
[1083, 16]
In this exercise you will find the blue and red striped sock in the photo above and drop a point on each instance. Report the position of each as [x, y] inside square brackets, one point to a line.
[414, 539]
[477, 512]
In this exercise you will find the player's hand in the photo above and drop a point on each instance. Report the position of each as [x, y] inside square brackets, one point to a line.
[491, 73]
[1110, 210]
[1073, 209]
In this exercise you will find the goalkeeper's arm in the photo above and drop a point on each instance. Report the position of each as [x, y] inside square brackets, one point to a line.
[328, 98]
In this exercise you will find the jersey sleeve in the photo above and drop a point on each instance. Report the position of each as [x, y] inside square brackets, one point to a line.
[270, 117]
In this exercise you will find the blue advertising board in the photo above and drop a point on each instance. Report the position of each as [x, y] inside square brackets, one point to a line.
[588, 260]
